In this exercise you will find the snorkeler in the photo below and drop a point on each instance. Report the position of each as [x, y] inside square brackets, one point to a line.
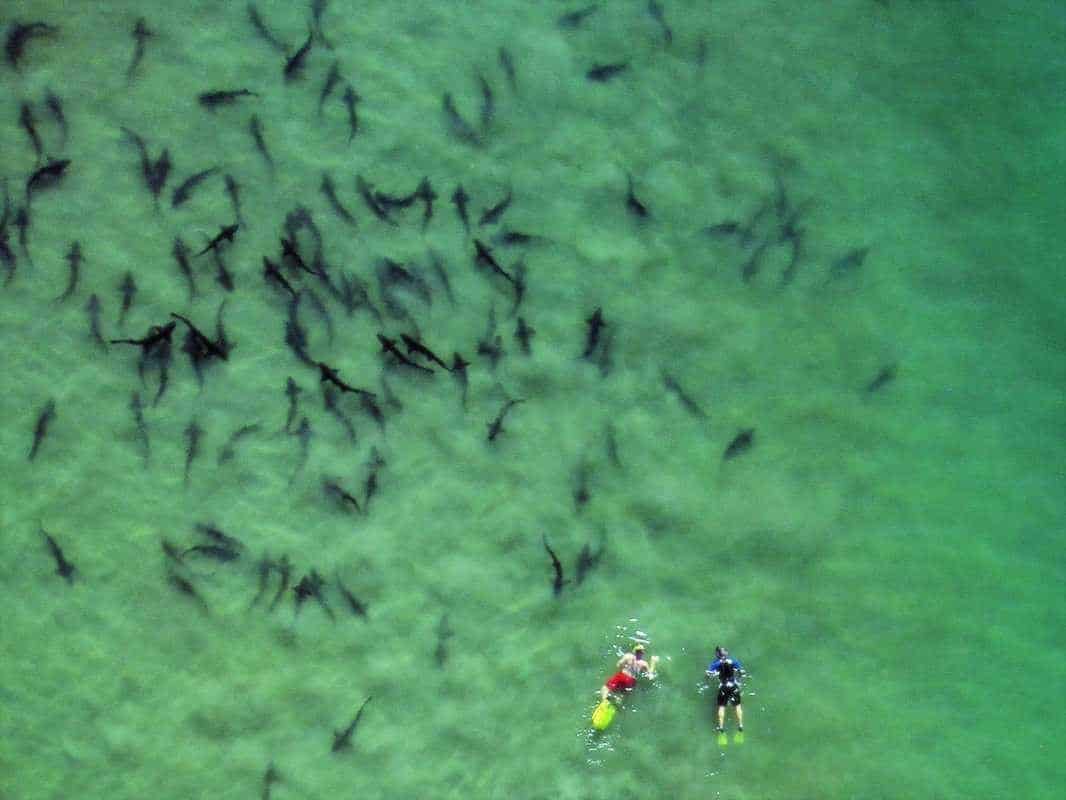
[728, 671]
[630, 667]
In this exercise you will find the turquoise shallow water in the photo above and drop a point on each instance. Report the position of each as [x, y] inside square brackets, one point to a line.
[888, 565]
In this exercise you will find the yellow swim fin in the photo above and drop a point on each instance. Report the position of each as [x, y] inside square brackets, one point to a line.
[603, 715]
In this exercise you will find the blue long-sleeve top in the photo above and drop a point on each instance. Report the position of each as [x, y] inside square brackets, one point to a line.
[727, 669]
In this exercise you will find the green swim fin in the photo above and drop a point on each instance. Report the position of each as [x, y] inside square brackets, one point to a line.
[738, 737]
[723, 739]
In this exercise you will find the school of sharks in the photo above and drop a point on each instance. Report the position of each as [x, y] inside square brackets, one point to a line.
[311, 295]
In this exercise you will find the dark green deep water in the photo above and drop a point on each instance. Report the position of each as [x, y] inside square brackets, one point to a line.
[888, 564]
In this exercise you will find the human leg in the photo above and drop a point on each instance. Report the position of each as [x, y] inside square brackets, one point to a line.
[722, 701]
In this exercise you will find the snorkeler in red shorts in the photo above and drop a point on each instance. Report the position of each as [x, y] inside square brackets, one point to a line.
[630, 667]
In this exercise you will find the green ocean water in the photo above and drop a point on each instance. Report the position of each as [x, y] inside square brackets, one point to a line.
[888, 565]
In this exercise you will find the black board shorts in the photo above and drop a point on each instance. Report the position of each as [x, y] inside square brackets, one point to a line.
[729, 693]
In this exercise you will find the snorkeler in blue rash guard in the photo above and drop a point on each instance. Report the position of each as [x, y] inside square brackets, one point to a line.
[728, 671]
